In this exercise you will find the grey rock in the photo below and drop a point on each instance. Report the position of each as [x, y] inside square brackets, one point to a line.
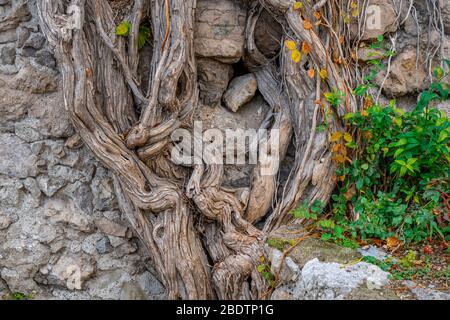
[111, 228]
[65, 212]
[8, 36]
[33, 80]
[35, 41]
[8, 55]
[5, 222]
[426, 293]
[17, 158]
[240, 91]
[45, 58]
[103, 246]
[332, 281]
[284, 266]
[213, 78]
[49, 186]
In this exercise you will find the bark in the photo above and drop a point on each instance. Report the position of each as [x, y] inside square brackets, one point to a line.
[200, 234]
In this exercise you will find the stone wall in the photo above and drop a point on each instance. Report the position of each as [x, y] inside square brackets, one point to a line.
[61, 233]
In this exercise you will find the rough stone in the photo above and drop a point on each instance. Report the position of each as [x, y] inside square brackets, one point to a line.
[30, 79]
[332, 281]
[5, 222]
[426, 293]
[17, 159]
[381, 18]
[406, 76]
[8, 55]
[240, 91]
[213, 77]
[65, 212]
[111, 228]
[219, 30]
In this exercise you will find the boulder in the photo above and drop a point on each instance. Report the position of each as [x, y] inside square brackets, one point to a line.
[240, 91]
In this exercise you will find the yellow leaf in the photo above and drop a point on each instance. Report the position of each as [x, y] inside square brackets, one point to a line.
[365, 113]
[355, 13]
[305, 48]
[339, 159]
[311, 73]
[296, 56]
[323, 74]
[298, 5]
[335, 137]
[348, 137]
[317, 15]
[307, 24]
[354, 5]
[291, 45]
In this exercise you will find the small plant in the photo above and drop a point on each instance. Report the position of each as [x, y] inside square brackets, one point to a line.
[124, 29]
[19, 296]
[265, 270]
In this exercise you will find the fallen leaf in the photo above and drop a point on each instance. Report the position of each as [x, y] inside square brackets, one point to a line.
[392, 242]
[427, 250]
[311, 73]
[317, 15]
[298, 5]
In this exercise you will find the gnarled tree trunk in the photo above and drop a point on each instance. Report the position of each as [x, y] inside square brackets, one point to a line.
[200, 234]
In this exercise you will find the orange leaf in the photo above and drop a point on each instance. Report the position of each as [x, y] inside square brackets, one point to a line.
[392, 242]
[336, 136]
[317, 15]
[307, 24]
[311, 73]
[306, 49]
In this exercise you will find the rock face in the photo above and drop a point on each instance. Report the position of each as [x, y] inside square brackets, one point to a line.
[219, 29]
[61, 233]
[406, 75]
[381, 18]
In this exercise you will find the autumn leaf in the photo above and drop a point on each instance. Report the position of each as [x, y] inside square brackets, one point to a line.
[307, 24]
[348, 137]
[123, 29]
[392, 242]
[298, 5]
[317, 15]
[291, 45]
[335, 137]
[311, 73]
[323, 74]
[341, 39]
[296, 56]
[306, 49]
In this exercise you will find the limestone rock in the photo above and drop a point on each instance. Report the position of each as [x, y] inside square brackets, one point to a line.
[64, 212]
[213, 78]
[330, 281]
[219, 30]
[33, 80]
[240, 91]
[381, 18]
[111, 228]
[5, 222]
[426, 293]
[406, 76]
[17, 158]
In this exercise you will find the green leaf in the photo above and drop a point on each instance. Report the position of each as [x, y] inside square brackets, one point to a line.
[123, 29]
